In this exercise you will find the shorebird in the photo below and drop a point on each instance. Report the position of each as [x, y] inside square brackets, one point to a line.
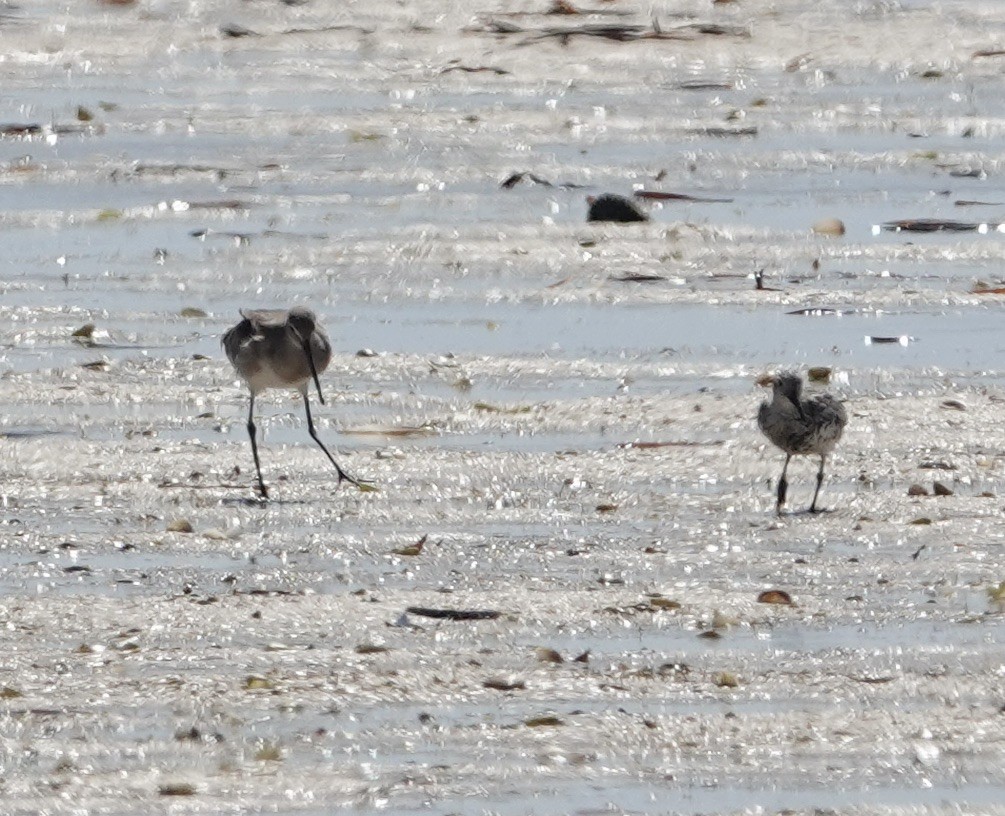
[276, 348]
[800, 426]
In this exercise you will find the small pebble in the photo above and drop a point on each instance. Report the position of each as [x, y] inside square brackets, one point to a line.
[829, 226]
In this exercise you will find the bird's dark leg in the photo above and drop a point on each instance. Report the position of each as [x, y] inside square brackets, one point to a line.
[254, 447]
[783, 485]
[342, 475]
[820, 481]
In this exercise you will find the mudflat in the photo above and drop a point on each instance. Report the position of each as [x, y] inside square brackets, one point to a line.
[570, 593]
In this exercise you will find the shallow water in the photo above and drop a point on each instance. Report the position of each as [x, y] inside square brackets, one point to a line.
[507, 375]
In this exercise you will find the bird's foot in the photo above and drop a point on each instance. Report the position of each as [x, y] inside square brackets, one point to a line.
[361, 484]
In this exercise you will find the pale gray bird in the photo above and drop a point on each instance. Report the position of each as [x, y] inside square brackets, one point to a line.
[276, 348]
[800, 426]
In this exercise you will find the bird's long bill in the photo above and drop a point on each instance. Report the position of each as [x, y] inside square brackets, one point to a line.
[314, 371]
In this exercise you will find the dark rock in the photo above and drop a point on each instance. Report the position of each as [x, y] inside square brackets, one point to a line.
[611, 207]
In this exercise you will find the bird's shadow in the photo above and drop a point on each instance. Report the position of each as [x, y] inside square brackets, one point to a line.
[820, 511]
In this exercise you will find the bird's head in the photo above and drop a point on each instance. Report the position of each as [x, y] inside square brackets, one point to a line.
[303, 321]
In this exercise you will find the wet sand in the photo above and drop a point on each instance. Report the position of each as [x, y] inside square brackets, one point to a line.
[577, 453]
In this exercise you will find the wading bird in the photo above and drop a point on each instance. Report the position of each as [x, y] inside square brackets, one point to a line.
[800, 426]
[276, 348]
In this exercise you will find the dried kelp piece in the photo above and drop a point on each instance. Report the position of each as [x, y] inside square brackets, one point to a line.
[821, 311]
[239, 238]
[412, 549]
[902, 340]
[97, 365]
[171, 170]
[932, 465]
[328, 29]
[557, 9]
[516, 178]
[426, 429]
[237, 31]
[654, 195]
[512, 180]
[370, 648]
[498, 684]
[548, 720]
[673, 444]
[628, 32]
[704, 85]
[25, 433]
[476, 69]
[636, 277]
[225, 204]
[454, 614]
[614, 208]
[177, 789]
[19, 131]
[489, 408]
[625, 32]
[715, 131]
[963, 202]
[500, 27]
[932, 225]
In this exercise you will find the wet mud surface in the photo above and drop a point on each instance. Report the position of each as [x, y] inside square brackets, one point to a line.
[559, 414]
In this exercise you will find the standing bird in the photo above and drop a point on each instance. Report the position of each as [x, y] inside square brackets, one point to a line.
[797, 425]
[276, 348]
